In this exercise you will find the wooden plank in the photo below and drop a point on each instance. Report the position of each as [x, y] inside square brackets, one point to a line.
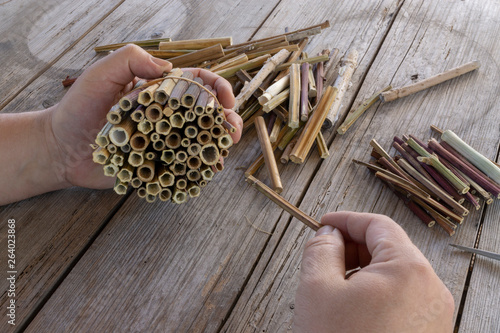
[51, 231]
[34, 34]
[480, 313]
[425, 39]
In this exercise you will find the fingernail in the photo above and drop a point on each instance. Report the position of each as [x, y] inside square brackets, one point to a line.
[325, 230]
[161, 62]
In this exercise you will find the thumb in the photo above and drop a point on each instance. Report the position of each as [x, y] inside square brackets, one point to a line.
[324, 255]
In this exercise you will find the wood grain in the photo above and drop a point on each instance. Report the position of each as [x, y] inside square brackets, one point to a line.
[34, 35]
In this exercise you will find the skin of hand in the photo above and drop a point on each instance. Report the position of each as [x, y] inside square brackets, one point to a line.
[54, 151]
[395, 290]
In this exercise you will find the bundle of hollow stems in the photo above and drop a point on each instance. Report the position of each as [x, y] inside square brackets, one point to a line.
[166, 138]
[434, 179]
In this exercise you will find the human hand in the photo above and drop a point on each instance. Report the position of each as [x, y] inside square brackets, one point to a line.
[396, 289]
[76, 120]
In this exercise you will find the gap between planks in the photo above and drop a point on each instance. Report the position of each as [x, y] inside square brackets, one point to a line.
[56, 59]
[51, 290]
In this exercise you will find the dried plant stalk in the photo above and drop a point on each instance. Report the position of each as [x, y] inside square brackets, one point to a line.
[322, 147]
[284, 204]
[277, 100]
[294, 98]
[304, 92]
[195, 44]
[275, 89]
[342, 83]
[292, 58]
[313, 126]
[163, 92]
[394, 94]
[268, 154]
[251, 64]
[197, 57]
[191, 94]
[146, 96]
[142, 43]
[120, 134]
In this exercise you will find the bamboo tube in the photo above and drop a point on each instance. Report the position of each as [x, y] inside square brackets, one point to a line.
[101, 156]
[292, 58]
[163, 92]
[206, 121]
[151, 155]
[204, 137]
[120, 188]
[280, 201]
[146, 171]
[138, 114]
[142, 43]
[117, 158]
[195, 44]
[165, 194]
[274, 89]
[202, 183]
[191, 94]
[312, 60]
[126, 173]
[120, 134]
[294, 98]
[267, 68]
[177, 120]
[269, 158]
[178, 169]
[342, 83]
[275, 130]
[145, 126]
[206, 173]
[129, 101]
[193, 175]
[126, 148]
[112, 149]
[110, 170]
[276, 100]
[313, 126]
[472, 155]
[185, 142]
[150, 198]
[141, 192]
[181, 156]
[136, 182]
[193, 190]
[193, 162]
[179, 196]
[102, 138]
[166, 178]
[139, 141]
[191, 131]
[209, 154]
[153, 187]
[174, 102]
[165, 54]
[394, 94]
[251, 64]
[146, 96]
[168, 156]
[322, 147]
[217, 131]
[136, 158]
[225, 141]
[114, 115]
[304, 92]
[224, 153]
[201, 102]
[163, 127]
[154, 112]
[313, 92]
[159, 145]
[231, 62]
[197, 57]
[354, 115]
[194, 149]
[173, 140]
[181, 183]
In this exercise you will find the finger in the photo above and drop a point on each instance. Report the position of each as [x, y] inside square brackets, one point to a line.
[222, 86]
[324, 255]
[237, 122]
[384, 239]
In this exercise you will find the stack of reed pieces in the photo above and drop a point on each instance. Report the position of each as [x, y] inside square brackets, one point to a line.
[436, 178]
[166, 138]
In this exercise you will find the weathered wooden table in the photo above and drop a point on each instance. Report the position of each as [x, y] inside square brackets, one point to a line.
[93, 261]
